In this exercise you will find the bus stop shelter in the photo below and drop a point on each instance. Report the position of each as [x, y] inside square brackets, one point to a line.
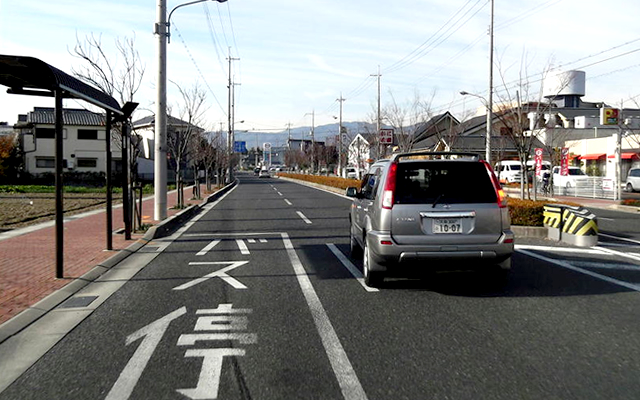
[33, 77]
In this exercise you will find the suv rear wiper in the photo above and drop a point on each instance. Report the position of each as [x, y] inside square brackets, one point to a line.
[435, 202]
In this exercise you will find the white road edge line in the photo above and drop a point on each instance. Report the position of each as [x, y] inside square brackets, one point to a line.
[352, 268]
[305, 219]
[342, 368]
[581, 270]
[619, 238]
[593, 250]
[618, 253]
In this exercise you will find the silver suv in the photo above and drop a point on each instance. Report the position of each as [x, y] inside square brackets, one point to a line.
[418, 208]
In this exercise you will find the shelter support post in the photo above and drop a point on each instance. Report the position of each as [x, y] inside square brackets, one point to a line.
[59, 185]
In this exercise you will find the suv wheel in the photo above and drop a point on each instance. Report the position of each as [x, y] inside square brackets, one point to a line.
[371, 278]
[629, 187]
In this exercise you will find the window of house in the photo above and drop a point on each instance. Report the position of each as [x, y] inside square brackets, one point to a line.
[87, 162]
[45, 162]
[87, 134]
[45, 133]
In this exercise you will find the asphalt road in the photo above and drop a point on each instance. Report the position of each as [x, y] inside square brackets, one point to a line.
[255, 299]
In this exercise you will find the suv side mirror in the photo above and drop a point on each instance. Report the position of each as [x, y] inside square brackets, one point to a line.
[351, 192]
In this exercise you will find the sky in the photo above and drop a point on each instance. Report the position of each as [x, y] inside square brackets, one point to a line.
[297, 57]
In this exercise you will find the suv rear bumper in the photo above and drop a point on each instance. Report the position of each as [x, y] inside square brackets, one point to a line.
[390, 254]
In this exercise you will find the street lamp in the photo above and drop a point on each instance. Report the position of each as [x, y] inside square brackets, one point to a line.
[489, 107]
[161, 29]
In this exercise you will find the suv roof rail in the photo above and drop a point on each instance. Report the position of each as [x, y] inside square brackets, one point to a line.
[442, 155]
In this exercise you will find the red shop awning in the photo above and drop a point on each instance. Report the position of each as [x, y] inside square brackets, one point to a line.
[593, 156]
[626, 156]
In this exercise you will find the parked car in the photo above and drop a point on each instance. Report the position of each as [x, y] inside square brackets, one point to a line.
[633, 180]
[571, 180]
[264, 173]
[424, 210]
[508, 171]
[351, 172]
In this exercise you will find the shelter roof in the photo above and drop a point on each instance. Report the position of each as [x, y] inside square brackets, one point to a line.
[31, 76]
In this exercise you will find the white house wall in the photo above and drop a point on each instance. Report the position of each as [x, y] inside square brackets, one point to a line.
[72, 148]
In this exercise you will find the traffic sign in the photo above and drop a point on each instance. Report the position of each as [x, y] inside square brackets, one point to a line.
[239, 147]
[386, 136]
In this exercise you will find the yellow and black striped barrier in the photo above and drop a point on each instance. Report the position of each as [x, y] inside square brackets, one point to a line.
[573, 225]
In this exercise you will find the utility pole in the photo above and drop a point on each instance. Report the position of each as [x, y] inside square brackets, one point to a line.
[289, 134]
[340, 137]
[160, 138]
[487, 155]
[313, 141]
[229, 116]
[378, 75]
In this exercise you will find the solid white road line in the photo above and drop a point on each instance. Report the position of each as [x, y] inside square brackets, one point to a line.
[559, 249]
[352, 268]
[342, 368]
[618, 253]
[305, 219]
[582, 270]
[619, 238]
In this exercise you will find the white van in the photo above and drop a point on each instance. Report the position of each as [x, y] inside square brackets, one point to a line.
[508, 171]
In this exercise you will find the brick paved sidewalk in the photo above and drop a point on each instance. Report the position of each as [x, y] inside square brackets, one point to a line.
[28, 261]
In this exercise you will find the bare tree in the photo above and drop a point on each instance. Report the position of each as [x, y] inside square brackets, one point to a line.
[180, 134]
[521, 111]
[407, 120]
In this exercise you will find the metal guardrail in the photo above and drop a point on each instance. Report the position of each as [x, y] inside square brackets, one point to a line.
[569, 224]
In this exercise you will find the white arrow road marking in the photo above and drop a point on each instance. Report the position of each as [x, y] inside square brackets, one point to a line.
[222, 274]
[208, 247]
[352, 268]
[305, 219]
[152, 335]
[242, 246]
[209, 379]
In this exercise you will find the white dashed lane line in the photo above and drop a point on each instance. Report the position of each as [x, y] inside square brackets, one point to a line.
[305, 219]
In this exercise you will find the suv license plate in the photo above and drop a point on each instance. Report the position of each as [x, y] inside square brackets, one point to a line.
[448, 225]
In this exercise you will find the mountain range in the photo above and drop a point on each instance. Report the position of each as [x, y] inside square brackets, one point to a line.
[322, 133]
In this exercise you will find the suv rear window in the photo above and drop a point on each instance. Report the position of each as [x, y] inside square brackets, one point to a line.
[443, 182]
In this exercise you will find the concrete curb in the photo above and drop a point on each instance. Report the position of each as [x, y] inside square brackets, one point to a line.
[33, 313]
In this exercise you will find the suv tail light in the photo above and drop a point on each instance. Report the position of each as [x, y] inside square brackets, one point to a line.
[502, 197]
[390, 187]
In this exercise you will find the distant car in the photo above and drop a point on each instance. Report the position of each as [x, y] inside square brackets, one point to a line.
[351, 173]
[508, 171]
[426, 210]
[264, 174]
[571, 180]
[633, 180]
